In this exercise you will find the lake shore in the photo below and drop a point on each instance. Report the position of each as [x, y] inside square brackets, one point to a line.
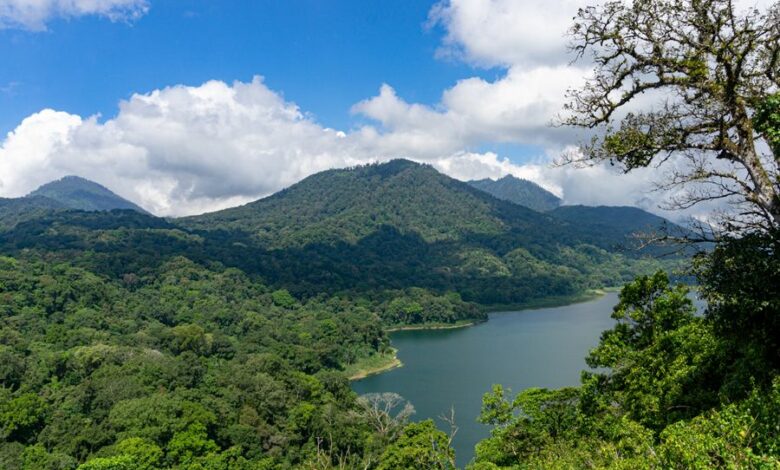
[379, 364]
[548, 302]
[435, 326]
[373, 365]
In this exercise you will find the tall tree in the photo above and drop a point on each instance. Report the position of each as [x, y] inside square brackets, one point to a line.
[712, 72]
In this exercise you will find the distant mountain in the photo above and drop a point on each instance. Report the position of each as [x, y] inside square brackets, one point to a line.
[614, 220]
[402, 224]
[74, 192]
[349, 204]
[363, 230]
[519, 191]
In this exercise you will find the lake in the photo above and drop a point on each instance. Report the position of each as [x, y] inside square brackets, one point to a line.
[454, 368]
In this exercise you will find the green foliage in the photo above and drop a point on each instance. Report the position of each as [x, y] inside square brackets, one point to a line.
[767, 121]
[664, 395]
[283, 299]
[186, 367]
[658, 355]
[740, 435]
[420, 445]
[741, 283]
[74, 192]
[21, 417]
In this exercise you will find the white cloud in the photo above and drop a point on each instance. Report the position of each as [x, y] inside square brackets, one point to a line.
[517, 108]
[505, 32]
[185, 150]
[35, 14]
[178, 150]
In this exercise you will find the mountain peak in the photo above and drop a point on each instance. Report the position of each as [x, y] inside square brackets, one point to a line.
[519, 191]
[75, 192]
[353, 203]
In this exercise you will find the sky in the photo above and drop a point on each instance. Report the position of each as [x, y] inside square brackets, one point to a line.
[188, 106]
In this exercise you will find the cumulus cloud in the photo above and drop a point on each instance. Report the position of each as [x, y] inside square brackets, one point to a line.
[506, 33]
[189, 149]
[518, 108]
[35, 14]
[178, 150]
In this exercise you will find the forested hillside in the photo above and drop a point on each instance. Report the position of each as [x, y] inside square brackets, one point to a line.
[225, 341]
[15, 210]
[360, 232]
[404, 224]
[177, 366]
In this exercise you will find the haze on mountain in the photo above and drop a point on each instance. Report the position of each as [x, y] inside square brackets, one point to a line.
[519, 191]
[74, 192]
[67, 193]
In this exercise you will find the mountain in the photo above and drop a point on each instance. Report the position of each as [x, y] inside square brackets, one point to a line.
[614, 221]
[74, 192]
[402, 224]
[519, 191]
[360, 231]
[350, 204]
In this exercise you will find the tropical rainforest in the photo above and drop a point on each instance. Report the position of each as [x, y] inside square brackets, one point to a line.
[226, 340]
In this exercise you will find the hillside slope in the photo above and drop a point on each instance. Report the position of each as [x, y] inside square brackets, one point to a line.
[16, 210]
[350, 204]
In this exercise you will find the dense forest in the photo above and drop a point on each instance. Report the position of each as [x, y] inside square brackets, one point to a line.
[362, 231]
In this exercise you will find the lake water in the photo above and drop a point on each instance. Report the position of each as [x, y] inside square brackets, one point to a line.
[454, 368]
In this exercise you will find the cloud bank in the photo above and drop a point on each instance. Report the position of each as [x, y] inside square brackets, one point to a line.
[184, 150]
[33, 15]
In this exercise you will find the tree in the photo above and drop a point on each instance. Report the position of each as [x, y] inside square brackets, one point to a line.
[386, 412]
[714, 75]
[420, 445]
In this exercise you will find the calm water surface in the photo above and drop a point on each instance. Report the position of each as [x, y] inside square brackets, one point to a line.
[531, 348]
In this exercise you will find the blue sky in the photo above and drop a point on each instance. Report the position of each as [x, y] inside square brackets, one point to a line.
[324, 56]
[191, 106]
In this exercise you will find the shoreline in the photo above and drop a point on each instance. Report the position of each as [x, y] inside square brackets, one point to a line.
[388, 363]
[434, 326]
[551, 302]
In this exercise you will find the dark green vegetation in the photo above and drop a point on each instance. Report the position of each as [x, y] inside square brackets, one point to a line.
[631, 223]
[181, 366]
[519, 191]
[221, 341]
[68, 193]
[74, 192]
[402, 224]
[16, 210]
[362, 232]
